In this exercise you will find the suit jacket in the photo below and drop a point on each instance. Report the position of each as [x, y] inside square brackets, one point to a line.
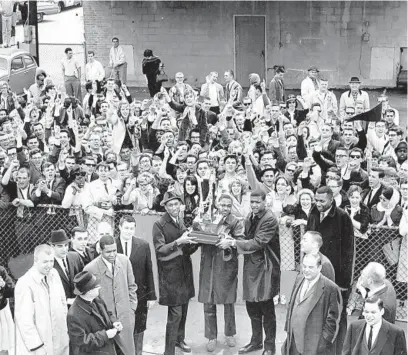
[118, 290]
[88, 256]
[277, 91]
[233, 86]
[375, 199]
[57, 193]
[389, 298]
[75, 265]
[141, 260]
[261, 277]
[317, 316]
[87, 328]
[390, 340]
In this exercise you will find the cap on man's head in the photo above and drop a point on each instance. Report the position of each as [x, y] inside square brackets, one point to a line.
[313, 68]
[355, 79]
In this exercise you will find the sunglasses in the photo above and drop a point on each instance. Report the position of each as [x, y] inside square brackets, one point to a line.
[355, 156]
[247, 103]
[80, 174]
[349, 113]
[90, 164]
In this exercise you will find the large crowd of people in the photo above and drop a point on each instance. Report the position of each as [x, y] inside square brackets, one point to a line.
[255, 166]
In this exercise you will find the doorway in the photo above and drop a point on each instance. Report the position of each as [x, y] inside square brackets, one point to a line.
[250, 47]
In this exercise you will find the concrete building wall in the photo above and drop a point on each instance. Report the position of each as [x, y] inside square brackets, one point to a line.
[198, 37]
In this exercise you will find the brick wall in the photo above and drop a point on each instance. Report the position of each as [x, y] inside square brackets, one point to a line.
[198, 37]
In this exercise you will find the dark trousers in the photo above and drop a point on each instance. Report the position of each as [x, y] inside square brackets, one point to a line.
[175, 328]
[210, 319]
[343, 323]
[262, 315]
[138, 338]
[215, 109]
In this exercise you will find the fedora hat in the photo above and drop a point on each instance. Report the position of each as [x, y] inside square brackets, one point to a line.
[59, 237]
[84, 282]
[354, 79]
[169, 196]
[313, 67]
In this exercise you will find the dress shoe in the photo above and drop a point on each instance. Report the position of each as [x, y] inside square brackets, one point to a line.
[183, 346]
[249, 348]
[230, 341]
[211, 345]
[268, 352]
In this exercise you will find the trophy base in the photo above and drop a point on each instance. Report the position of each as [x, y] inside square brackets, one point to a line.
[205, 237]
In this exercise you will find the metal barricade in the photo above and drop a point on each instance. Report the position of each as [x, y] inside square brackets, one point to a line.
[19, 236]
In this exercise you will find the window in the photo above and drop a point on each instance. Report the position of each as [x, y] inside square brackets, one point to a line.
[17, 64]
[28, 61]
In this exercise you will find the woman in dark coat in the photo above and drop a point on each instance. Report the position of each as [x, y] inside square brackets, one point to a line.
[150, 68]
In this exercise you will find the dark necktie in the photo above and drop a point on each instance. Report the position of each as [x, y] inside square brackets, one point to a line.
[106, 188]
[46, 282]
[369, 197]
[370, 338]
[126, 248]
[65, 266]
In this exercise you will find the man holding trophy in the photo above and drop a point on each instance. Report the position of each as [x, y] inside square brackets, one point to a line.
[218, 274]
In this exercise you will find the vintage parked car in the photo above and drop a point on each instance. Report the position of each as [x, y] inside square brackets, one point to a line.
[50, 7]
[17, 67]
[63, 4]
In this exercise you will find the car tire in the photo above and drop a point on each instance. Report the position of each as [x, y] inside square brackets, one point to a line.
[60, 7]
[40, 17]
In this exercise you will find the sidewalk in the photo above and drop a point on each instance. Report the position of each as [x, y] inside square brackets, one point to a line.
[156, 328]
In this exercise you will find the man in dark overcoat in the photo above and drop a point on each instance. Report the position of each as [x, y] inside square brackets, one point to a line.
[138, 252]
[335, 225]
[91, 327]
[219, 276]
[176, 286]
[261, 277]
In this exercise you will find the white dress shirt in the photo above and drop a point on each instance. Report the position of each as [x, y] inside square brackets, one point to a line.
[376, 330]
[61, 264]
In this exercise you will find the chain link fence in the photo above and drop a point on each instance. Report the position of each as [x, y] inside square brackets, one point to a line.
[51, 55]
[21, 233]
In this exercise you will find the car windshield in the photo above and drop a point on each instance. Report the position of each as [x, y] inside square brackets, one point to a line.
[3, 63]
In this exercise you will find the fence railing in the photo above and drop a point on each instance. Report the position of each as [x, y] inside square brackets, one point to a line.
[21, 232]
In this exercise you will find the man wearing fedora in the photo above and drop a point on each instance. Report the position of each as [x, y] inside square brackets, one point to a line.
[173, 248]
[350, 97]
[118, 289]
[67, 263]
[92, 329]
[138, 252]
[310, 85]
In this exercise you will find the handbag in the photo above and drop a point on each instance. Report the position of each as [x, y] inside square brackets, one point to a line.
[392, 250]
